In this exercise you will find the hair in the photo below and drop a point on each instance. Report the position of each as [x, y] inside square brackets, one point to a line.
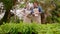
[36, 2]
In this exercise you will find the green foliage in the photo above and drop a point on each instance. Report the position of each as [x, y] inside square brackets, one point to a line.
[57, 2]
[29, 28]
[22, 5]
[7, 4]
[31, 1]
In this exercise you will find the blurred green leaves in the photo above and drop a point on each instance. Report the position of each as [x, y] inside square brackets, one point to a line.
[26, 28]
[7, 4]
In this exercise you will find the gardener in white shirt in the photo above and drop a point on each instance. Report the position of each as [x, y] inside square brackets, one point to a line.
[27, 16]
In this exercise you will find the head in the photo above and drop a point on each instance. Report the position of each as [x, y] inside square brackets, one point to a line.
[35, 4]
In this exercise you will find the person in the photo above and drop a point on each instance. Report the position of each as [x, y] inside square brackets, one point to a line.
[36, 12]
[27, 16]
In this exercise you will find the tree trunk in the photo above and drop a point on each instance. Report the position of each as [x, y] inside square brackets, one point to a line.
[6, 17]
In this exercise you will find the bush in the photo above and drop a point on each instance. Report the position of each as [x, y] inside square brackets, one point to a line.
[32, 28]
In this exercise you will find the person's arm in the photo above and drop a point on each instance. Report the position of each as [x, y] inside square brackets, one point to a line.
[40, 9]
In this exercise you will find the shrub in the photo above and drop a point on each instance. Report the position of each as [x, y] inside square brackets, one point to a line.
[29, 28]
